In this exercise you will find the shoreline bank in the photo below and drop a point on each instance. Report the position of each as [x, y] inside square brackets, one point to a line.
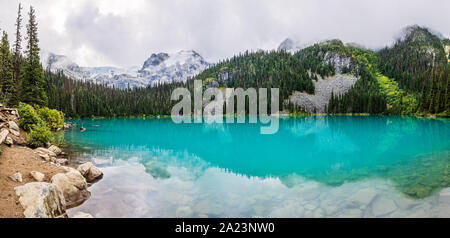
[38, 182]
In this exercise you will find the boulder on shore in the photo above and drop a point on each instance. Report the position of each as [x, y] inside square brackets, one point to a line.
[41, 200]
[55, 149]
[90, 172]
[17, 177]
[74, 187]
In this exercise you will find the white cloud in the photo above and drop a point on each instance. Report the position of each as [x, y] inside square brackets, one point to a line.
[126, 32]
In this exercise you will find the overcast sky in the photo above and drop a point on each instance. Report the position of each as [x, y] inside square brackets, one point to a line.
[126, 32]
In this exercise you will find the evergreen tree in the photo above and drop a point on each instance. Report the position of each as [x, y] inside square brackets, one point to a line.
[32, 77]
[17, 57]
[8, 87]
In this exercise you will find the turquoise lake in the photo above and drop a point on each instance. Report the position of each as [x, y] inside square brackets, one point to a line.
[317, 166]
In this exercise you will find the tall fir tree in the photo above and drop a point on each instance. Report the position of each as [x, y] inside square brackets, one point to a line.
[32, 75]
[8, 87]
[17, 57]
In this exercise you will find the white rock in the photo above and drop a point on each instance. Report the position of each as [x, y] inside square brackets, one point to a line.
[41, 200]
[44, 151]
[17, 177]
[61, 161]
[55, 149]
[82, 215]
[14, 128]
[73, 185]
[383, 206]
[38, 176]
[9, 141]
[3, 134]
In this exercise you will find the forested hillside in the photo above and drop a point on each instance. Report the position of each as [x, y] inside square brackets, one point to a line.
[419, 63]
[411, 77]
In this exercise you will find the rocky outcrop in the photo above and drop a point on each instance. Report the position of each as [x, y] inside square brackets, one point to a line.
[90, 172]
[74, 187]
[318, 102]
[17, 177]
[41, 200]
[38, 176]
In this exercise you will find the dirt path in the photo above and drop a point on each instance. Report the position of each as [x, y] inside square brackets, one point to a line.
[19, 159]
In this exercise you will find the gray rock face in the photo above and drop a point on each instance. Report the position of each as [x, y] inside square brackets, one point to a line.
[290, 45]
[41, 200]
[338, 61]
[317, 103]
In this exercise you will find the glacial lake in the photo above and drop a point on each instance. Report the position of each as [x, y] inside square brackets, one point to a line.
[315, 166]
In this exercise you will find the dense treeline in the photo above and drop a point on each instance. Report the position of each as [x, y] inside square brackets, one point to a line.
[85, 99]
[419, 63]
[264, 70]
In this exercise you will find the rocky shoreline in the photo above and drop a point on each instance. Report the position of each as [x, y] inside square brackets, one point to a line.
[39, 183]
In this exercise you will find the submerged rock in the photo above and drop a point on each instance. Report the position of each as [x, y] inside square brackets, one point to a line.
[364, 196]
[74, 187]
[90, 172]
[17, 177]
[41, 200]
[383, 206]
[38, 176]
[82, 215]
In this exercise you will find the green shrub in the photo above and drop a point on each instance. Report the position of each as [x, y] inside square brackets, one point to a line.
[28, 117]
[54, 119]
[39, 135]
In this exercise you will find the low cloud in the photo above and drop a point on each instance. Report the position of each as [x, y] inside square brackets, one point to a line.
[125, 32]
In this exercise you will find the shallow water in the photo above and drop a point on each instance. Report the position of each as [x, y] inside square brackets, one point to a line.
[331, 166]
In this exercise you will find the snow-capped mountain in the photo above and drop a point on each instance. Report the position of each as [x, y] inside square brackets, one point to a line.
[159, 68]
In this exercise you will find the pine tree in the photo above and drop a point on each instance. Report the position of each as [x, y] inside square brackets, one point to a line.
[8, 87]
[32, 77]
[17, 57]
